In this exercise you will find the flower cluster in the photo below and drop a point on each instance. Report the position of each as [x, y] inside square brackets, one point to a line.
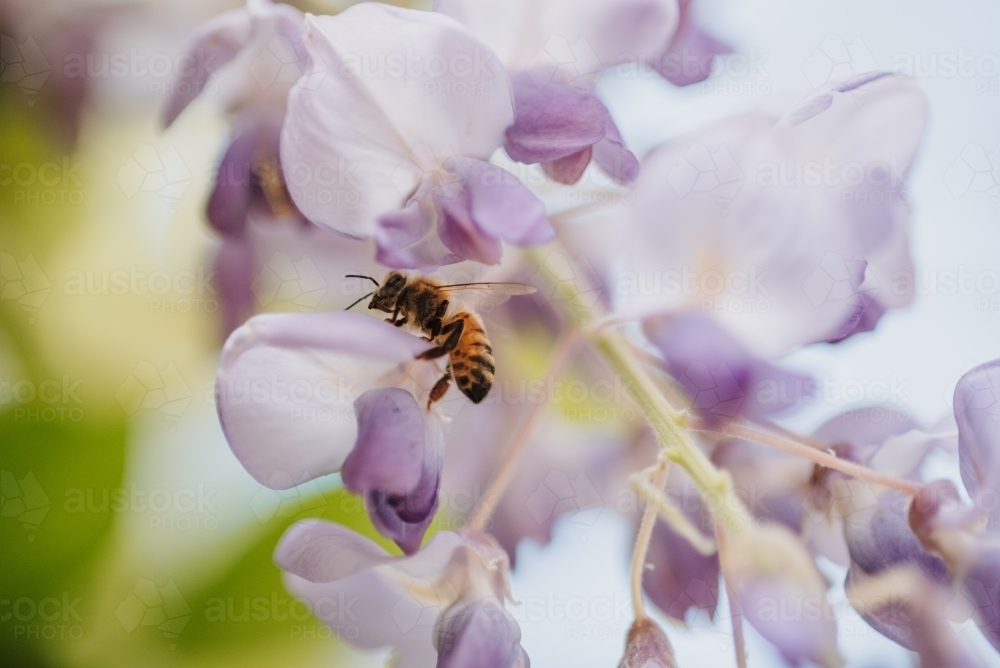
[437, 142]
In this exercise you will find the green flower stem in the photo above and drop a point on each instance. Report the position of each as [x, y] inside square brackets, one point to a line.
[670, 427]
[669, 424]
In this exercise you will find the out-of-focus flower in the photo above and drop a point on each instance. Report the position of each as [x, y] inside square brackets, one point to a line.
[395, 118]
[681, 577]
[907, 607]
[721, 377]
[554, 50]
[279, 372]
[229, 54]
[647, 646]
[968, 538]
[443, 605]
[977, 413]
[787, 231]
[688, 58]
[783, 595]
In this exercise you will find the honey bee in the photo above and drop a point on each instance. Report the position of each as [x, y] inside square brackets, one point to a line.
[427, 305]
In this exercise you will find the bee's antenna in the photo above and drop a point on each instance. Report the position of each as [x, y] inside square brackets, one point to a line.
[360, 276]
[359, 300]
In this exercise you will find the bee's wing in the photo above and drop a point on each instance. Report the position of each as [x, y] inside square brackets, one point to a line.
[486, 296]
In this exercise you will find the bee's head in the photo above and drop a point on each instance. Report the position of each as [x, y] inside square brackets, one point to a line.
[385, 297]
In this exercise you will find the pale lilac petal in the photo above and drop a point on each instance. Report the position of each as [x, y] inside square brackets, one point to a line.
[359, 591]
[977, 412]
[287, 384]
[880, 537]
[357, 143]
[501, 205]
[689, 57]
[788, 242]
[308, 548]
[389, 452]
[613, 31]
[552, 120]
[216, 43]
[722, 379]
[233, 282]
[480, 634]
[613, 157]
[982, 588]
[568, 170]
[322, 551]
[770, 567]
[372, 612]
[822, 98]
[865, 318]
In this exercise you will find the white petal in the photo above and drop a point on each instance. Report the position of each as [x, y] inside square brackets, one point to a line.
[286, 387]
[390, 93]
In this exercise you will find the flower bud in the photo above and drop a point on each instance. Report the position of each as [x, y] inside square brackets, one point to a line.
[646, 646]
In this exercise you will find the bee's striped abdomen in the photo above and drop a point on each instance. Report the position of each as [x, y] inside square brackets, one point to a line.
[472, 359]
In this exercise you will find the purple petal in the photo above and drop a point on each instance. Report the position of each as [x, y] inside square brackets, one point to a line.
[405, 517]
[647, 646]
[722, 379]
[880, 537]
[982, 589]
[977, 412]
[552, 120]
[459, 230]
[867, 313]
[501, 205]
[280, 374]
[389, 452]
[216, 43]
[681, 578]
[481, 635]
[783, 595]
[689, 57]
[568, 170]
[612, 156]
[233, 278]
[233, 193]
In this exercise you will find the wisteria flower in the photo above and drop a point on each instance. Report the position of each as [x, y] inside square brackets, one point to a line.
[553, 51]
[785, 231]
[389, 133]
[443, 606]
[300, 396]
[247, 60]
[968, 538]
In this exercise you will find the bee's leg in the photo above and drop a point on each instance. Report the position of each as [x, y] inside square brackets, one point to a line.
[434, 324]
[439, 389]
[454, 331]
[400, 322]
[400, 300]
